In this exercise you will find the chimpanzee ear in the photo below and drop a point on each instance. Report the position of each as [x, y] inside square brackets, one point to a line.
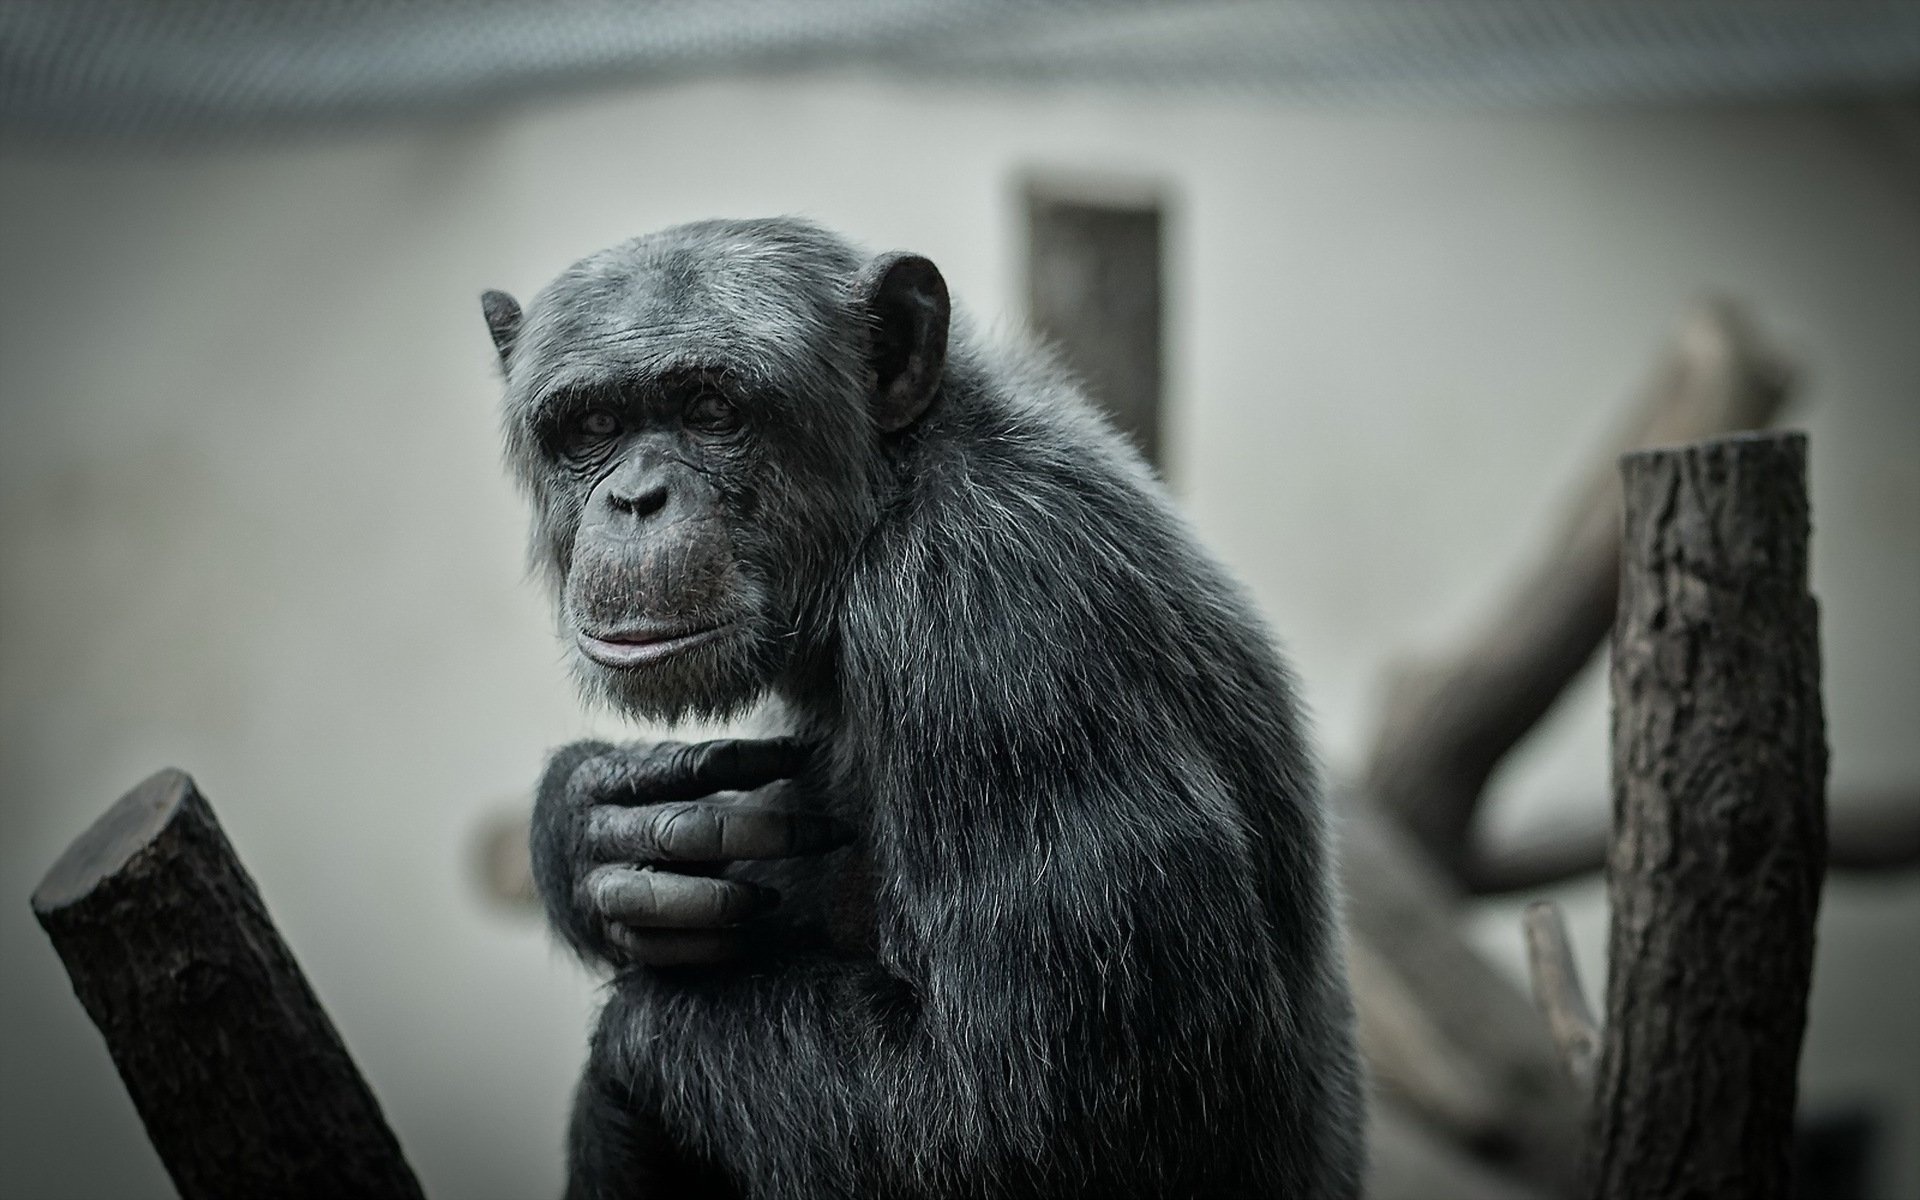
[503, 320]
[907, 305]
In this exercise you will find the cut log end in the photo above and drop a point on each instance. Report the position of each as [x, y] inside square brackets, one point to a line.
[110, 843]
[238, 1074]
[1764, 446]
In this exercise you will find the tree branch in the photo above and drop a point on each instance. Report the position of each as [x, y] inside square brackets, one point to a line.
[1451, 1042]
[1557, 991]
[1446, 726]
[1408, 1160]
[1866, 834]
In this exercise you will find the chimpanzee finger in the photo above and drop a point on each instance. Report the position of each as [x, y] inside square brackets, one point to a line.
[674, 947]
[729, 765]
[648, 899]
[708, 831]
[675, 771]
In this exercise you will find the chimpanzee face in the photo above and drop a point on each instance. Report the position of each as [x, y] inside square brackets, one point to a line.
[698, 417]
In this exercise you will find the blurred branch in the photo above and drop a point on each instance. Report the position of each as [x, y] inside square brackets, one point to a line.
[502, 860]
[1866, 835]
[1447, 725]
[1451, 1042]
[1414, 1060]
[1557, 991]
[1408, 1160]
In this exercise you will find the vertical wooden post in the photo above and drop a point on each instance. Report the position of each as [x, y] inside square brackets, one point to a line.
[1719, 845]
[1094, 292]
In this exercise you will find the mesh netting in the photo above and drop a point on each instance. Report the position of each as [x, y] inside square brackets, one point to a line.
[126, 68]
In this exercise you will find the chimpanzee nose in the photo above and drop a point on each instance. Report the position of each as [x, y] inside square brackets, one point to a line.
[640, 498]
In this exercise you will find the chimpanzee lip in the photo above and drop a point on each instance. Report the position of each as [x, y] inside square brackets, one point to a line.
[639, 647]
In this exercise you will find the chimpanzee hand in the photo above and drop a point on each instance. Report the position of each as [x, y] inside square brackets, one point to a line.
[614, 824]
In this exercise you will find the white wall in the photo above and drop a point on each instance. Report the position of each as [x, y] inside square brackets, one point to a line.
[252, 520]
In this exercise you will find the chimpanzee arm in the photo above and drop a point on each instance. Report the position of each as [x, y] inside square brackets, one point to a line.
[1048, 982]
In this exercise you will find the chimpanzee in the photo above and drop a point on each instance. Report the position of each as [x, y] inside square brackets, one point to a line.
[1033, 898]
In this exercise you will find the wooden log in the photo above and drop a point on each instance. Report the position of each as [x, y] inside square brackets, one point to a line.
[1719, 846]
[237, 1072]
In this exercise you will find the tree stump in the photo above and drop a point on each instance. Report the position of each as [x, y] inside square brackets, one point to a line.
[1719, 847]
[244, 1086]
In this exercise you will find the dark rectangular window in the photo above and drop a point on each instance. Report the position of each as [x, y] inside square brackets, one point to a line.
[1094, 292]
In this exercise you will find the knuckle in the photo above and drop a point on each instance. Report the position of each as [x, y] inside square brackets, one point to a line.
[618, 892]
[672, 760]
[637, 892]
[679, 829]
[656, 834]
[730, 833]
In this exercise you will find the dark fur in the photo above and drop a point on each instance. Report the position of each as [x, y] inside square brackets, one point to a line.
[1087, 942]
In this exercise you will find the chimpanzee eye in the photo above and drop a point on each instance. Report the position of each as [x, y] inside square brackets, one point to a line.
[713, 412]
[599, 423]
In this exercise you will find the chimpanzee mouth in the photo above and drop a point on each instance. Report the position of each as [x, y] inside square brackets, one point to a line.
[642, 647]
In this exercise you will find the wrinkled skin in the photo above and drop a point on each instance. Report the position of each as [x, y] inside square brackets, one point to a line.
[628, 842]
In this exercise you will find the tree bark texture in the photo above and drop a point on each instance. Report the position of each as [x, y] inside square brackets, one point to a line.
[243, 1084]
[1719, 848]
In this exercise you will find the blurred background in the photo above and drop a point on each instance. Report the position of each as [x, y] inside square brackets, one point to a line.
[1391, 278]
